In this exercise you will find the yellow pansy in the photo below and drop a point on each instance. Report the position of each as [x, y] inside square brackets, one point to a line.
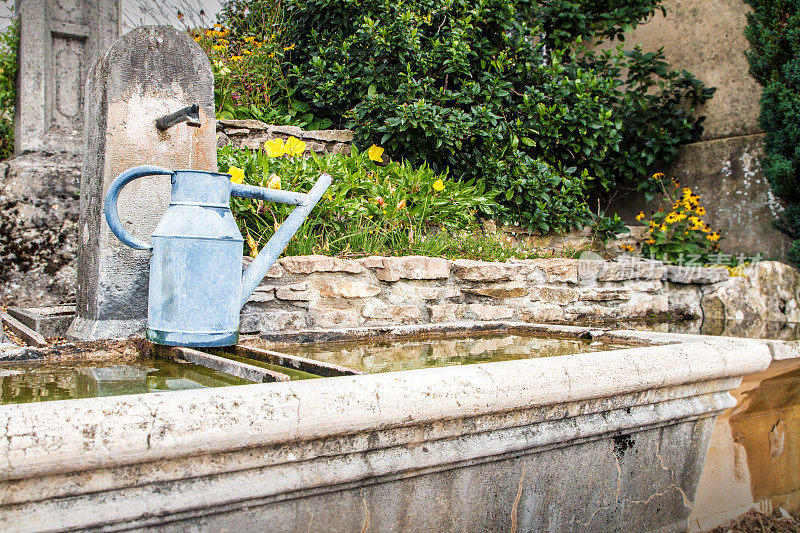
[295, 146]
[375, 153]
[274, 182]
[275, 147]
[237, 174]
[438, 185]
[251, 242]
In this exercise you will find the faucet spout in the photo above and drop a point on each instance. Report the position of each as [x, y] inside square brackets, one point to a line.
[277, 244]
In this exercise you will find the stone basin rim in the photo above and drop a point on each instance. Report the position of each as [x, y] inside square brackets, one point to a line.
[109, 432]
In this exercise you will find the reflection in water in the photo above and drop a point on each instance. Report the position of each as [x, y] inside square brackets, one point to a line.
[37, 382]
[754, 456]
[406, 355]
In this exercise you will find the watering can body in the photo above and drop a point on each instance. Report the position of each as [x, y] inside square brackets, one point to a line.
[196, 287]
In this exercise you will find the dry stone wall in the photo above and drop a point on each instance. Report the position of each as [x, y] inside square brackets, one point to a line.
[323, 292]
[253, 134]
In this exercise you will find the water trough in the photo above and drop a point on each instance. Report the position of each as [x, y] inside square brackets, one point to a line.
[591, 440]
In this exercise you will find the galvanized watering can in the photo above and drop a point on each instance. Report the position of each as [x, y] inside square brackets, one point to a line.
[196, 284]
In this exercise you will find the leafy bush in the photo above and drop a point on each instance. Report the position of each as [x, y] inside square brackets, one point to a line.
[680, 235]
[503, 90]
[369, 209]
[773, 28]
[9, 43]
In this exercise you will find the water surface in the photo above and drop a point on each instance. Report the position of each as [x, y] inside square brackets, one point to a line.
[38, 382]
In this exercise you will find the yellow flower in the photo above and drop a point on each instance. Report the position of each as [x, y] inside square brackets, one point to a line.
[438, 185]
[251, 242]
[249, 39]
[237, 174]
[287, 48]
[218, 47]
[247, 52]
[651, 241]
[375, 153]
[658, 175]
[236, 58]
[700, 211]
[209, 33]
[295, 146]
[274, 182]
[275, 147]
[687, 192]
[640, 216]
[713, 237]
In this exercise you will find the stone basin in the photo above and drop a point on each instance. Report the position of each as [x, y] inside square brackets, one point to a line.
[596, 441]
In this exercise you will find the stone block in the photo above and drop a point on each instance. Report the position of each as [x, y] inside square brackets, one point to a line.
[332, 288]
[412, 291]
[490, 312]
[308, 264]
[498, 290]
[394, 314]
[262, 294]
[286, 131]
[293, 292]
[684, 301]
[538, 312]
[643, 305]
[148, 73]
[236, 132]
[272, 320]
[249, 124]
[340, 136]
[556, 270]
[553, 295]
[591, 271]
[332, 317]
[469, 270]
[51, 321]
[408, 267]
[695, 274]
[605, 294]
[447, 312]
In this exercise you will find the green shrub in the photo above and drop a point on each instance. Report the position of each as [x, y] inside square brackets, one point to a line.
[369, 209]
[502, 90]
[9, 43]
[773, 29]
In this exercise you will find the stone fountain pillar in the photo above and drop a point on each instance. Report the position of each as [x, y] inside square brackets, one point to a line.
[150, 72]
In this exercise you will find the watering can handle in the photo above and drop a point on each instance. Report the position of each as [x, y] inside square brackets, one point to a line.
[112, 216]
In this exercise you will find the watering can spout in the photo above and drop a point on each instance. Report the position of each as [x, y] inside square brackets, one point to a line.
[275, 246]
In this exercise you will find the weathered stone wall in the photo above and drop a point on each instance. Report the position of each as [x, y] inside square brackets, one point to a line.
[253, 134]
[322, 292]
[706, 38]
[38, 228]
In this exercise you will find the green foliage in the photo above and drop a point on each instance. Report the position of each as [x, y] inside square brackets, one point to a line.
[606, 228]
[773, 30]
[9, 43]
[369, 209]
[679, 235]
[498, 89]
